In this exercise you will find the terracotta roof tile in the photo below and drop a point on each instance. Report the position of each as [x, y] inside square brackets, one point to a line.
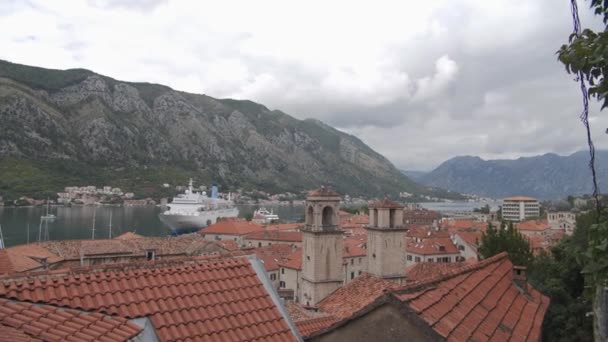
[354, 246]
[26, 257]
[284, 227]
[479, 302]
[432, 246]
[293, 260]
[533, 225]
[275, 236]
[199, 299]
[232, 226]
[50, 323]
[424, 270]
[356, 295]
[128, 236]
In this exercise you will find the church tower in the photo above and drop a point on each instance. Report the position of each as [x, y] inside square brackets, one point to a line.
[321, 247]
[386, 241]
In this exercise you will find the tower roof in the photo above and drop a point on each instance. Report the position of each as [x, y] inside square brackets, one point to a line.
[386, 204]
[323, 192]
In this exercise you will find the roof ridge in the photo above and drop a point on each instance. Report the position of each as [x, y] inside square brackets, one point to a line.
[451, 274]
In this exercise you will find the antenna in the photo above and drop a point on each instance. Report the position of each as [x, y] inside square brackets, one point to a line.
[93, 230]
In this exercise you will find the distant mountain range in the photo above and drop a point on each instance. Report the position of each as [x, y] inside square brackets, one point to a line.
[76, 127]
[548, 176]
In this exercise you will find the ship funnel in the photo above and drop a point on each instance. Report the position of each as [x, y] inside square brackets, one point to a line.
[214, 191]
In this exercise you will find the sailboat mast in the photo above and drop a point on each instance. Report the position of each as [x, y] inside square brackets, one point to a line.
[110, 228]
[93, 231]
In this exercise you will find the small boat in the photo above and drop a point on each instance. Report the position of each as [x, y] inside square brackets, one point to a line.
[264, 216]
[48, 215]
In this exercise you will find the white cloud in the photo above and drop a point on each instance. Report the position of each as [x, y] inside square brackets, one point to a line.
[420, 81]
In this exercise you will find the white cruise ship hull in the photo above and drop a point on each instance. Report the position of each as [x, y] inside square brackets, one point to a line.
[183, 223]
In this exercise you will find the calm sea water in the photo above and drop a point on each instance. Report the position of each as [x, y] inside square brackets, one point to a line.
[77, 222]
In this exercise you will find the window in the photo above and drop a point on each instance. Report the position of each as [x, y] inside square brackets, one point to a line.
[352, 275]
[409, 257]
[150, 255]
[282, 284]
[308, 257]
[359, 261]
[460, 247]
[359, 272]
[282, 270]
[259, 244]
[273, 276]
[417, 259]
[430, 260]
[352, 261]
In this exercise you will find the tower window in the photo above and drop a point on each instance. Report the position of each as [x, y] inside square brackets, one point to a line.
[150, 254]
[328, 213]
[352, 275]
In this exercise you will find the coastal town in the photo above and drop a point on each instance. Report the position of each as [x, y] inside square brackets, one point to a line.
[327, 278]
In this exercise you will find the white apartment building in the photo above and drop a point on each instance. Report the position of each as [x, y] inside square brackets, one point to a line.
[520, 208]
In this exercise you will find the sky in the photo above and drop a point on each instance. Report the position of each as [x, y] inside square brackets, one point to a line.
[418, 81]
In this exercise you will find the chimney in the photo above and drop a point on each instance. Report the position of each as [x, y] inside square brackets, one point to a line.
[519, 278]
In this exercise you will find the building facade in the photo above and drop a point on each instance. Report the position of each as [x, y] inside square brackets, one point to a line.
[520, 208]
[322, 247]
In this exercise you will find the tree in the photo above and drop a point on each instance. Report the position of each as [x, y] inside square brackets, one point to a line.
[585, 55]
[506, 239]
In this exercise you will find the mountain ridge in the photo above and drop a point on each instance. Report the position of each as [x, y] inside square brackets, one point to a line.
[546, 176]
[79, 126]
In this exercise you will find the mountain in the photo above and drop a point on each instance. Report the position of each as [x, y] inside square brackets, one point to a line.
[548, 176]
[415, 175]
[74, 127]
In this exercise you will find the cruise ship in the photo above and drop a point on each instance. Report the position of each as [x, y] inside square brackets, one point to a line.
[191, 211]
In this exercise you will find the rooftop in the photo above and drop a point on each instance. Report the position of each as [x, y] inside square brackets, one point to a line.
[474, 302]
[198, 298]
[50, 323]
[520, 199]
[275, 235]
[432, 246]
[533, 225]
[232, 226]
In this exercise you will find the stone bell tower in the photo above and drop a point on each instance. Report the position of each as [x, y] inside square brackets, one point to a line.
[386, 241]
[321, 246]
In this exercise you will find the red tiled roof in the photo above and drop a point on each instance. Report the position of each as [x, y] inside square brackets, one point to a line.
[457, 225]
[533, 225]
[50, 323]
[272, 255]
[232, 227]
[420, 213]
[128, 236]
[475, 302]
[200, 299]
[520, 199]
[424, 232]
[307, 321]
[385, 204]
[275, 236]
[356, 295]
[471, 238]
[323, 192]
[478, 302]
[352, 246]
[293, 260]
[230, 245]
[310, 326]
[284, 226]
[25, 257]
[424, 270]
[10, 334]
[432, 246]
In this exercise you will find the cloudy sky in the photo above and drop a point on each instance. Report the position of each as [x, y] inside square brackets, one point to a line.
[419, 81]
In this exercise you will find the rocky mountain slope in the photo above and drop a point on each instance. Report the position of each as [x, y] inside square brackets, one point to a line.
[547, 176]
[74, 126]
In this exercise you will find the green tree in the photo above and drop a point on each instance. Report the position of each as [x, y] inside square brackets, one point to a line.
[506, 239]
